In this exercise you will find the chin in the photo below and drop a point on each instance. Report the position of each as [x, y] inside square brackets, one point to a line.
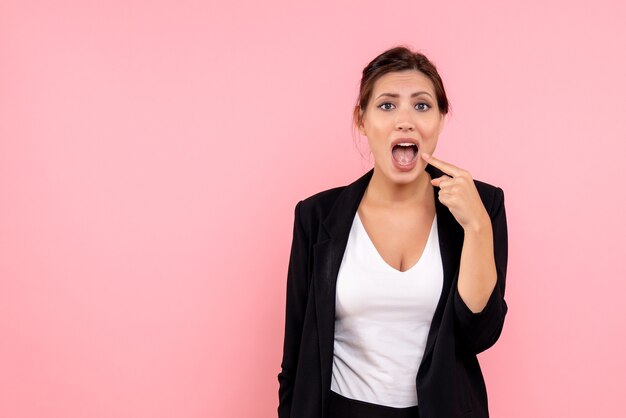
[406, 177]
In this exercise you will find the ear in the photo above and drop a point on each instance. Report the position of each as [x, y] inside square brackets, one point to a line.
[362, 129]
[360, 126]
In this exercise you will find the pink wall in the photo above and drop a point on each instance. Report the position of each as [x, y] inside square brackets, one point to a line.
[151, 154]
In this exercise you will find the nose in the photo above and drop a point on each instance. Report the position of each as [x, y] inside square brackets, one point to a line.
[404, 122]
[405, 125]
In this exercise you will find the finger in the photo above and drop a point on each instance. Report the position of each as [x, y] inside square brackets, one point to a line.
[437, 182]
[442, 165]
[444, 198]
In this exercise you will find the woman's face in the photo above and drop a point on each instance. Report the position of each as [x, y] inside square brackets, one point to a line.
[403, 104]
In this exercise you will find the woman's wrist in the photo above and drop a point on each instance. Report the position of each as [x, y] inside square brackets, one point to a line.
[482, 226]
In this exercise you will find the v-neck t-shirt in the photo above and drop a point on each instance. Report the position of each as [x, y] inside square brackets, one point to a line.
[382, 320]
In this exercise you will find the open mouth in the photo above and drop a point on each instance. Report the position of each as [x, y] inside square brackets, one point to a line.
[404, 153]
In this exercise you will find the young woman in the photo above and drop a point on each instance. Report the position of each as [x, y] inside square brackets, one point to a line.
[396, 281]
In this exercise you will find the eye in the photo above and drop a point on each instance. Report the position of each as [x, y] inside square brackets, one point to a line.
[380, 106]
[423, 106]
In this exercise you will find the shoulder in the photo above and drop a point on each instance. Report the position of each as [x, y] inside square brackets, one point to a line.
[314, 208]
[491, 195]
[322, 199]
[311, 211]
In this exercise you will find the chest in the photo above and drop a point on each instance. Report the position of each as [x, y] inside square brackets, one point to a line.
[370, 291]
[400, 239]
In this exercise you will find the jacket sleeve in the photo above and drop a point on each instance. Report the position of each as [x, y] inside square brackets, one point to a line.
[297, 295]
[479, 331]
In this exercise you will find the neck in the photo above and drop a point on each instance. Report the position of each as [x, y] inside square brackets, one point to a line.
[382, 191]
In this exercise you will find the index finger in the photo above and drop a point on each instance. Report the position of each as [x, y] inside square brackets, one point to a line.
[447, 168]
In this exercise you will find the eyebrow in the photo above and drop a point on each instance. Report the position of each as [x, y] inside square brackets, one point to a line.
[396, 95]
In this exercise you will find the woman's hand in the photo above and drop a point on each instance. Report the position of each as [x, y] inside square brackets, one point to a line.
[477, 271]
[458, 192]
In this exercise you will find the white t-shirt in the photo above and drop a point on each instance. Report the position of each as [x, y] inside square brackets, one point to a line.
[382, 319]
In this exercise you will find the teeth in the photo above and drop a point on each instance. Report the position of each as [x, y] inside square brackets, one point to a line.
[406, 144]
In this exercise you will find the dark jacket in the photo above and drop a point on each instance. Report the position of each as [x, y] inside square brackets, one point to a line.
[449, 381]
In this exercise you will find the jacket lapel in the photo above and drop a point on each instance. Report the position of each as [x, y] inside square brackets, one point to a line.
[451, 237]
[328, 254]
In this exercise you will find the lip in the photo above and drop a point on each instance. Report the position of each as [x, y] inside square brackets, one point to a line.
[401, 140]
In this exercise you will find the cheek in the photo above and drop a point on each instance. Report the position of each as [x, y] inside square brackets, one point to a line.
[430, 145]
[429, 129]
[377, 135]
[376, 145]
[381, 132]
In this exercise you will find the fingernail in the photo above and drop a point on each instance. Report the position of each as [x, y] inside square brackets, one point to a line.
[425, 156]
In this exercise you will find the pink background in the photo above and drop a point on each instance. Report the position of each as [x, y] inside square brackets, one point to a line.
[152, 153]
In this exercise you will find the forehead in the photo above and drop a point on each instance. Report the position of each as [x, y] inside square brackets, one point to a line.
[403, 82]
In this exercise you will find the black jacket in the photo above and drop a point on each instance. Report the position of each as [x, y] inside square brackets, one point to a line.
[449, 381]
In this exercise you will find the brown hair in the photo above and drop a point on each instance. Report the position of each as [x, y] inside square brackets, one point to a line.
[399, 58]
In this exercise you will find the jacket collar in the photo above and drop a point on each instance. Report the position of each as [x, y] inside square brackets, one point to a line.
[340, 217]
